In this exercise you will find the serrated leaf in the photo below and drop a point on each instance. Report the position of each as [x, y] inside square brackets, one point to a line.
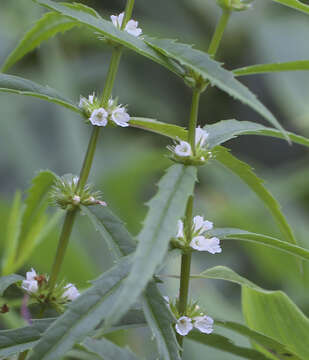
[82, 315]
[299, 65]
[45, 28]
[294, 4]
[237, 234]
[202, 64]
[165, 209]
[18, 85]
[107, 350]
[19, 340]
[244, 171]
[275, 315]
[224, 344]
[159, 319]
[6, 281]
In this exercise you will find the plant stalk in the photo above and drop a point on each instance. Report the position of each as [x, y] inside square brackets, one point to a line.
[217, 36]
[193, 118]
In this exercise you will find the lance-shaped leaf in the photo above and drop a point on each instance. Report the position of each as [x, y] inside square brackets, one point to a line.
[275, 315]
[244, 171]
[18, 85]
[107, 350]
[82, 315]
[6, 281]
[165, 209]
[294, 4]
[202, 64]
[299, 65]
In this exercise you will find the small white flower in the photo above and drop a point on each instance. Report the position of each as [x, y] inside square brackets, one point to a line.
[204, 324]
[99, 117]
[71, 293]
[201, 243]
[76, 199]
[83, 102]
[184, 325]
[200, 225]
[200, 137]
[120, 117]
[31, 275]
[180, 233]
[31, 286]
[183, 149]
[131, 26]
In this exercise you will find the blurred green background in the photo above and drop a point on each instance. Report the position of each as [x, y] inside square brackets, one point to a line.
[37, 135]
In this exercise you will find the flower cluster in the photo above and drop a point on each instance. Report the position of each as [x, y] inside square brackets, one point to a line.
[182, 150]
[37, 287]
[193, 318]
[97, 115]
[235, 5]
[199, 241]
[131, 26]
[66, 194]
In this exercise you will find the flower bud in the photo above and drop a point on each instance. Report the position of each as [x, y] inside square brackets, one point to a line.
[235, 5]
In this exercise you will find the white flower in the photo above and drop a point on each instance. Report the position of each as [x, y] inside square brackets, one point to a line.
[120, 117]
[200, 137]
[31, 286]
[204, 324]
[83, 102]
[200, 225]
[184, 325]
[76, 199]
[180, 233]
[201, 243]
[71, 293]
[131, 26]
[99, 117]
[31, 275]
[183, 149]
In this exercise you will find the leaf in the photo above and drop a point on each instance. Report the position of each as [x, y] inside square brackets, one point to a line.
[159, 319]
[294, 4]
[107, 350]
[245, 172]
[224, 344]
[274, 314]
[82, 315]
[18, 340]
[6, 281]
[45, 28]
[202, 64]
[237, 234]
[165, 209]
[18, 85]
[108, 30]
[298, 65]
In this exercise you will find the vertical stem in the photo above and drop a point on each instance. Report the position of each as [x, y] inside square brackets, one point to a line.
[217, 36]
[193, 118]
[127, 13]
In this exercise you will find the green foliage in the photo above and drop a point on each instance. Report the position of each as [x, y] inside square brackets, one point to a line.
[294, 4]
[6, 281]
[299, 65]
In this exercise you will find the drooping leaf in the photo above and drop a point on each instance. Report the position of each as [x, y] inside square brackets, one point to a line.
[107, 350]
[275, 315]
[299, 65]
[159, 318]
[224, 344]
[294, 4]
[202, 64]
[244, 171]
[165, 209]
[18, 85]
[6, 281]
[45, 28]
[82, 315]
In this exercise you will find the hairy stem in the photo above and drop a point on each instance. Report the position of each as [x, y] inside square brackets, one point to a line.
[193, 118]
[217, 36]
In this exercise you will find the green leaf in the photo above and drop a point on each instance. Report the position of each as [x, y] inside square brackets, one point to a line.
[108, 30]
[245, 172]
[275, 315]
[18, 85]
[6, 281]
[160, 320]
[202, 64]
[82, 315]
[224, 344]
[165, 209]
[18, 340]
[298, 65]
[45, 28]
[294, 4]
[237, 234]
[107, 350]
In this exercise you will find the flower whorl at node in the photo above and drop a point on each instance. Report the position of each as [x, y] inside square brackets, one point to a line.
[131, 26]
[197, 239]
[235, 5]
[113, 114]
[182, 151]
[66, 194]
[192, 318]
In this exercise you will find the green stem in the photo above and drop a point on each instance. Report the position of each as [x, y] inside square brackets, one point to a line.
[127, 13]
[217, 36]
[193, 118]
